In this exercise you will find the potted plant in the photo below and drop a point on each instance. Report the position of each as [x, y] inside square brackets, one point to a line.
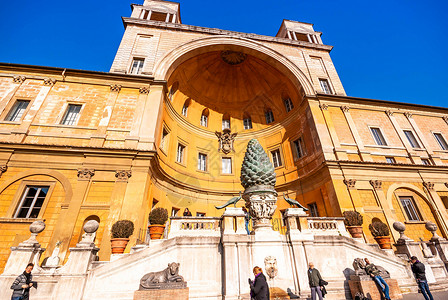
[380, 232]
[353, 221]
[157, 219]
[120, 232]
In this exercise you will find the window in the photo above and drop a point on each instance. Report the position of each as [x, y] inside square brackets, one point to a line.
[288, 104]
[298, 148]
[154, 203]
[185, 110]
[32, 200]
[325, 86]
[312, 207]
[442, 143]
[276, 158]
[71, 115]
[247, 122]
[269, 116]
[164, 140]
[173, 90]
[200, 214]
[390, 160]
[445, 201]
[16, 113]
[226, 165]
[409, 208]
[174, 211]
[180, 153]
[202, 162]
[204, 118]
[226, 121]
[378, 136]
[426, 162]
[411, 138]
[137, 65]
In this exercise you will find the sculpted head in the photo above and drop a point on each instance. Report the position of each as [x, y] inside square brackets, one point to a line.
[174, 268]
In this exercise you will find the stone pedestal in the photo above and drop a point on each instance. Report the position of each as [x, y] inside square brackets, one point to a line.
[233, 219]
[367, 286]
[175, 294]
[441, 246]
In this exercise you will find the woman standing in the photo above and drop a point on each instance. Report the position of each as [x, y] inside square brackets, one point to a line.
[259, 289]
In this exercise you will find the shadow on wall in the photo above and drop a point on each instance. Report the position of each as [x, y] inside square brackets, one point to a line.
[291, 295]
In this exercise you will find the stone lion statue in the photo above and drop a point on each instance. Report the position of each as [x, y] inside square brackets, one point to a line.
[157, 279]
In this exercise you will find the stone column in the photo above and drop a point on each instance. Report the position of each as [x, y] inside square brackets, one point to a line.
[26, 252]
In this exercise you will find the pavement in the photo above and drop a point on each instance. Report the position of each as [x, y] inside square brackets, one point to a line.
[417, 296]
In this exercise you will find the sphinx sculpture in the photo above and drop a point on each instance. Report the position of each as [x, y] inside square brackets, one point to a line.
[166, 279]
[359, 265]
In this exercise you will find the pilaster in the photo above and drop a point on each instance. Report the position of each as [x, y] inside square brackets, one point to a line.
[364, 154]
[151, 118]
[340, 154]
[17, 82]
[389, 212]
[132, 140]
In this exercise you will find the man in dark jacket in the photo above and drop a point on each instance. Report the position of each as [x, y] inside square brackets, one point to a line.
[23, 283]
[420, 275]
[314, 280]
[373, 271]
[259, 289]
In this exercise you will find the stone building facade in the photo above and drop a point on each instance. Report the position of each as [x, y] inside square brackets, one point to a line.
[81, 145]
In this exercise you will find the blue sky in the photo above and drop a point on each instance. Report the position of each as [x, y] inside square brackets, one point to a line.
[391, 50]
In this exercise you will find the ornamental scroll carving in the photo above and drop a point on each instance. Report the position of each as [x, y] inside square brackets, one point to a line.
[345, 108]
[49, 81]
[350, 183]
[123, 175]
[323, 106]
[19, 79]
[85, 174]
[376, 184]
[144, 90]
[115, 88]
[389, 113]
[408, 115]
[429, 185]
[3, 169]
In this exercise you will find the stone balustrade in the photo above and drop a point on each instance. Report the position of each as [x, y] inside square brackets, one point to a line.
[323, 226]
[194, 226]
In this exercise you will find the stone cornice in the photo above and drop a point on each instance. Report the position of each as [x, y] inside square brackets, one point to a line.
[368, 165]
[215, 31]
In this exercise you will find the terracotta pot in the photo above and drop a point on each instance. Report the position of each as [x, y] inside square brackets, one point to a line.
[355, 231]
[118, 245]
[156, 231]
[383, 242]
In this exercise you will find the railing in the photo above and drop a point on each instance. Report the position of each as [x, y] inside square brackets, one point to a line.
[194, 226]
[325, 226]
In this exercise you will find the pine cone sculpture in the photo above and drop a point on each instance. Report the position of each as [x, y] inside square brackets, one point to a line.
[257, 169]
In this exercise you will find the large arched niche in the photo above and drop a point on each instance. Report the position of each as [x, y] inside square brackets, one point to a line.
[168, 64]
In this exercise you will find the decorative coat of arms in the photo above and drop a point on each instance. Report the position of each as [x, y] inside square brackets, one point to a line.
[225, 139]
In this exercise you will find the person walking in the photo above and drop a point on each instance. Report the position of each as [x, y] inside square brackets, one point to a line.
[420, 275]
[259, 289]
[373, 271]
[23, 284]
[314, 280]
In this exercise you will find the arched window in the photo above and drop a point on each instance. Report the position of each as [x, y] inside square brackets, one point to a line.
[173, 90]
[269, 116]
[226, 121]
[185, 107]
[247, 121]
[204, 117]
[287, 102]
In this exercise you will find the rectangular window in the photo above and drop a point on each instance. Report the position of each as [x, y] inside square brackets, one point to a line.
[445, 201]
[225, 124]
[298, 148]
[247, 123]
[442, 143]
[32, 200]
[174, 211]
[154, 203]
[164, 140]
[409, 208]
[312, 207]
[16, 113]
[411, 138]
[200, 214]
[71, 115]
[226, 165]
[288, 104]
[185, 110]
[390, 160]
[137, 66]
[378, 136]
[325, 86]
[269, 116]
[426, 162]
[204, 120]
[276, 158]
[202, 162]
[180, 153]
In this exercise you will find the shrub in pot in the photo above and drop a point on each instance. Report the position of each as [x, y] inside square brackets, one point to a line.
[380, 232]
[157, 219]
[120, 233]
[353, 221]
